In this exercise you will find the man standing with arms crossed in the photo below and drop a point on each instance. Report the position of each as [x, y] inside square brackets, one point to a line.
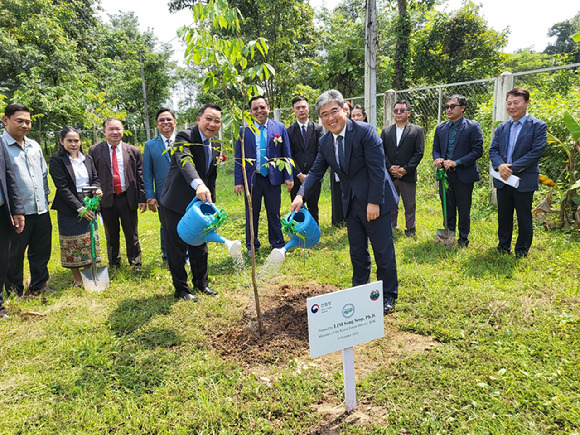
[11, 216]
[368, 194]
[192, 173]
[404, 145]
[30, 173]
[156, 160]
[516, 149]
[304, 136]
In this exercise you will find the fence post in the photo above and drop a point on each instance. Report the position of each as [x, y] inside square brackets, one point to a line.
[439, 106]
[388, 117]
[277, 115]
[503, 84]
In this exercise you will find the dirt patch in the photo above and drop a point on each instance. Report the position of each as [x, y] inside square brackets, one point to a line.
[285, 339]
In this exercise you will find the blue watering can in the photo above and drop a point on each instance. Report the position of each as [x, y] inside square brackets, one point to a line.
[303, 230]
[198, 225]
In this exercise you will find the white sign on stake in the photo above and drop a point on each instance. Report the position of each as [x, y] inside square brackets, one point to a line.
[343, 319]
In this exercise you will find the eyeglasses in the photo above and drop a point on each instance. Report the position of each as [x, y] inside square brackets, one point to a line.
[259, 108]
[451, 106]
[334, 112]
[395, 111]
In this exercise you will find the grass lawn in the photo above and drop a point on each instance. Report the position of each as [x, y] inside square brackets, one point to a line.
[480, 343]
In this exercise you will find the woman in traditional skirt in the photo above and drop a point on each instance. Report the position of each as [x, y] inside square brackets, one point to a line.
[71, 170]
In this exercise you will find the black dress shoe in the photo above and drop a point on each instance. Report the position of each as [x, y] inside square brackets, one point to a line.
[187, 297]
[503, 251]
[207, 291]
[521, 254]
[389, 304]
[410, 233]
[462, 242]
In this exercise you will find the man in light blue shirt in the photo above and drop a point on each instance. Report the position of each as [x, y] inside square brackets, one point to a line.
[30, 172]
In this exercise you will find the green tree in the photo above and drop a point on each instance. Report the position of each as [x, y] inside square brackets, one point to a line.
[457, 46]
[564, 45]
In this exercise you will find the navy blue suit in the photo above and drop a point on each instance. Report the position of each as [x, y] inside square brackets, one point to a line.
[528, 149]
[155, 167]
[364, 180]
[12, 205]
[468, 147]
[264, 187]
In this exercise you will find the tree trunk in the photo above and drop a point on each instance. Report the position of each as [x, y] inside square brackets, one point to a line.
[403, 31]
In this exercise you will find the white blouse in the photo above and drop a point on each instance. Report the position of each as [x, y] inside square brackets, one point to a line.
[81, 173]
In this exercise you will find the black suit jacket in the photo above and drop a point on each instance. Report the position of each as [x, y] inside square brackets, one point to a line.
[133, 167]
[468, 147]
[410, 151]
[9, 185]
[177, 191]
[365, 176]
[61, 170]
[304, 154]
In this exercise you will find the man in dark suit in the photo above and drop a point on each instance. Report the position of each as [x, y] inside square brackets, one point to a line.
[404, 145]
[11, 216]
[515, 150]
[368, 194]
[192, 173]
[156, 161]
[457, 145]
[263, 146]
[120, 170]
[304, 136]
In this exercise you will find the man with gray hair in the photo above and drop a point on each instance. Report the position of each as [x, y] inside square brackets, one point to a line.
[355, 152]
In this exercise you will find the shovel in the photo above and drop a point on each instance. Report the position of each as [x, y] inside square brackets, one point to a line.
[95, 278]
[444, 236]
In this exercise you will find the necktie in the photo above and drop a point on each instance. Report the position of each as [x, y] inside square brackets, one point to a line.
[263, 157]
[341, 161]
[168, 142]
[116, 175]
[304, 134]
[207, 149]
[512, 141]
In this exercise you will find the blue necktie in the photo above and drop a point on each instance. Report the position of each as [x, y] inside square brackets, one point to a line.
[263, 157]
[207, 149]
[512, 141]
[341, 161]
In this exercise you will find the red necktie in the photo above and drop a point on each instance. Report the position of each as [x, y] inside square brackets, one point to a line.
[116, 176]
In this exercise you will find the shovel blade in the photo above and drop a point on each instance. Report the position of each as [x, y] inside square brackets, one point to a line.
[98, 281]
[444, 233]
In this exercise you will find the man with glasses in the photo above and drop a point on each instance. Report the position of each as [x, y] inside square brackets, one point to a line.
[404, 145]
[268, 142]
[156, 159]
[304, 136]
[457, 145]
[192, 172]
[515, 150]
[355, 152]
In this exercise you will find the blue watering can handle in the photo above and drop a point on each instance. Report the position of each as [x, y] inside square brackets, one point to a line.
[196, 199]
[291, 218]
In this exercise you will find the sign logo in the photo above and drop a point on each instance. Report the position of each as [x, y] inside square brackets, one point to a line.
[375, 295]
[314, 308]
[348, 311]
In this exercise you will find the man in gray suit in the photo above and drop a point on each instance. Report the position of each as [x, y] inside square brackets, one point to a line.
[404, 145]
